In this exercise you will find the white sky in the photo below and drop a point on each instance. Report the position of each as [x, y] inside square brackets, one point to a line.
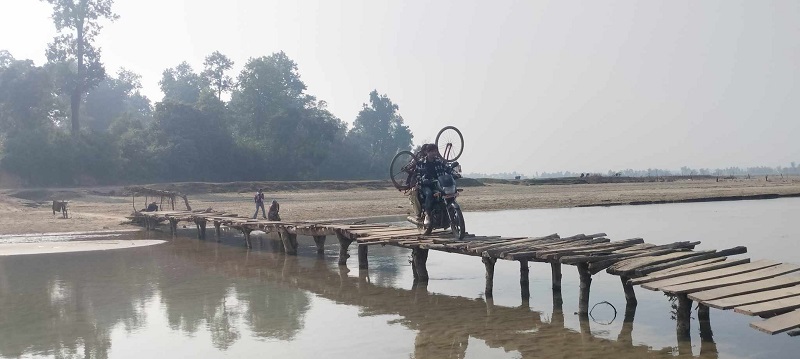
[533, 85]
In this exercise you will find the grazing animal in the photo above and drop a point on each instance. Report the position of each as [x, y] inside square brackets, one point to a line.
[60, 206]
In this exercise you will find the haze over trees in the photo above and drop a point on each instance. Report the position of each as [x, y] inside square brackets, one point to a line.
[68, 122]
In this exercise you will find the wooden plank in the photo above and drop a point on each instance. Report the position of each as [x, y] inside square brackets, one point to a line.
[658, 267]
[629, 265]
[752, 298]
[751, 287]
[717, 273]
[779, 324]
[588, 249]
[688, 265]
[732, 280]
[690, 270]
[770, 308]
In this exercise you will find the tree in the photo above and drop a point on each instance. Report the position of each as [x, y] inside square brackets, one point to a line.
[26, 96]
[114, 98]
[379, 131]
[216, 65]
[77, 60]
[182, 84]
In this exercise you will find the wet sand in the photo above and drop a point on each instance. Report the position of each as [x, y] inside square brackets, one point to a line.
[93, 212]
[15, 249]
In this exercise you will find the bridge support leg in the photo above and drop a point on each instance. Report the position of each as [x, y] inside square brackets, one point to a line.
[217, 230]
[419, 258]
[707, 344]
[202, 225]
[320, 242]
[556, 268]
[524, 281]
[683, 316]
[630, 295]
[344, 243]
[289, 241]
[489, 262]
[173, 226]
[585, 286]
[247, 242]
[362, 256]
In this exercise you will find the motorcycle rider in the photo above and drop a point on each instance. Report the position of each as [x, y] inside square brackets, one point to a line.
[428, 170]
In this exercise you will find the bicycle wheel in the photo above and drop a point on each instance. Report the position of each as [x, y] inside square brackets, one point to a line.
[402, 169]
[450, 143]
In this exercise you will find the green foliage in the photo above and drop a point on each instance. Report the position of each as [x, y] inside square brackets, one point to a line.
[182, 84]
[215, 67]
[379, 133]
[116, 97]
[26, 96]
[271, 129]
[75, 60]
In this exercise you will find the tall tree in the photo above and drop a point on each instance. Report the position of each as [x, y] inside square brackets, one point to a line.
[182, 84]
[78, 23]
[27, 102]
[379, 131]
[216, 65]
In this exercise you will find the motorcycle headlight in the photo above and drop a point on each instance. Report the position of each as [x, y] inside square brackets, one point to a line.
[449, 190]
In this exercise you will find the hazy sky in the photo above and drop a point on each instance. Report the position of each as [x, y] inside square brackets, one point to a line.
[533, 85]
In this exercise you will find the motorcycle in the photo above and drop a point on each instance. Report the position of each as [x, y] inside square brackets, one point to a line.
[446, 213]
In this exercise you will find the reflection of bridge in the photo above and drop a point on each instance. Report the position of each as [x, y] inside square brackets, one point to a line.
[675, 268]
[444, 323]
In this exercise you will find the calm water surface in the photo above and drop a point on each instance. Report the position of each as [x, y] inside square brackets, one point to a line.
[190, 298]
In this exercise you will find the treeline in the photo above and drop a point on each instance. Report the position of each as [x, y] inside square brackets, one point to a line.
[792, 169]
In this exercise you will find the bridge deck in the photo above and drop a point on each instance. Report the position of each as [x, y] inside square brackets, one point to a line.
[764, 288]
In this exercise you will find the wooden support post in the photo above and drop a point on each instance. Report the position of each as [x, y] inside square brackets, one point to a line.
[289, 241]
[556, 268]
[585, 286]
[320, 242]
[419, 258]
[344, 243]
[683, 317]
[218, 230]
[524, 281]
[362, 256]
[707, 344]
[489, 262]
[203, 228]
[247, 242]
[626, 333]
[630, 295]
[173, 226]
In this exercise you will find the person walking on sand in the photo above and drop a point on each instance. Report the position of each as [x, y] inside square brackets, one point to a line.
[259, 199]
[273, 211]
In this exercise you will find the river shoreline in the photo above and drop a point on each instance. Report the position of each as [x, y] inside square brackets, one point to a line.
[91, 209]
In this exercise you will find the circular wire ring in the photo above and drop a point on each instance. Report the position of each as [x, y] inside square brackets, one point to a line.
[612, 307]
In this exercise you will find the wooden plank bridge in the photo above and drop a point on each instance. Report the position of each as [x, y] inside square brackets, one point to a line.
[763, 288]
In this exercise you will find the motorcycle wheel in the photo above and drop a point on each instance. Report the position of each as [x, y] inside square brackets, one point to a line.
[457, 223]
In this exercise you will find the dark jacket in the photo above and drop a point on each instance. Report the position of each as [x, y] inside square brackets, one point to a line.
[439, 169]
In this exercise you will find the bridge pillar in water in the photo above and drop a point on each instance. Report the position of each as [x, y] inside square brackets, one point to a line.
[247, 243]
[362, 256]
[173, 226]
[320, 242]
[683, 317]
[419, 264]
[217, 230]
[585, 286]
[524, 281]
[556, 269]
[489, 262]
[289, 241]
[344, 243]
[630, 295]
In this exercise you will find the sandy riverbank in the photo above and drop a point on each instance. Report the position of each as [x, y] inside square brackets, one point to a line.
[91, 210]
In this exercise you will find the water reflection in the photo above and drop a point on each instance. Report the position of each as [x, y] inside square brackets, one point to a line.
[68, 304]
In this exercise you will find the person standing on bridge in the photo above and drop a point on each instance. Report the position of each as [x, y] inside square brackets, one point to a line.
[259, 199]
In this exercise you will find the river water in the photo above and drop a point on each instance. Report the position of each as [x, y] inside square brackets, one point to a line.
[203, 299]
